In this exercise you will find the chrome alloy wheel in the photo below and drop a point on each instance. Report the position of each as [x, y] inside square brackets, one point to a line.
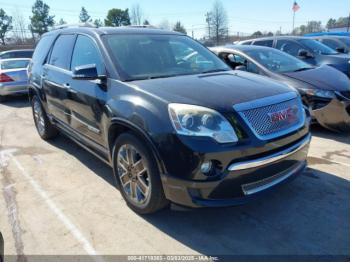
[39, 117]
[134, 175]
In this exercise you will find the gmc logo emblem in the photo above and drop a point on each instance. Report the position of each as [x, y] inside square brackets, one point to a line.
[288, 115]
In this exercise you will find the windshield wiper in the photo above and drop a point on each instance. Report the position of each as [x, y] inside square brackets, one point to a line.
[215, 71]
[302, 69]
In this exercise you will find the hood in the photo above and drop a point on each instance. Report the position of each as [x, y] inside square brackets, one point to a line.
[334, 59]
[323, 77]
[219, 91]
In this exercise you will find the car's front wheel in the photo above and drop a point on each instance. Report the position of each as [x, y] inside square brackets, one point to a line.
[43, 125]
[138, 175]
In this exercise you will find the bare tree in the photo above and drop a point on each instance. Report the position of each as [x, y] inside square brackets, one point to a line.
[218, 22]
[19, 27]
[136, 15]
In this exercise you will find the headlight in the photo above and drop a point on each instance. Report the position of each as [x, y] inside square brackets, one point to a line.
[319, 93]
[191, 120]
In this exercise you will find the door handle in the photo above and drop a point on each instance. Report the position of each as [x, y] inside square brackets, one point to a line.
[69, 89]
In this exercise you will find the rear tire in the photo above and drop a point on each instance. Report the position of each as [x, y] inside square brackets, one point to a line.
[137, 174]
[43, 125]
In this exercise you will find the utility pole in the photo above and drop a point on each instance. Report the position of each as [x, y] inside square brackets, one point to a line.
[348, 23]
[208, 20]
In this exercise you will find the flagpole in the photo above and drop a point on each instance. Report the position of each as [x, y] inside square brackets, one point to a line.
[293, 22]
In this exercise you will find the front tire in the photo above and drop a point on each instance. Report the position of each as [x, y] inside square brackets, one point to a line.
[43, 125]
[138, 175]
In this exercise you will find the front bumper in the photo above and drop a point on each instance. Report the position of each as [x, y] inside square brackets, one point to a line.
[13, 88]
[335, 115]
[242, 181]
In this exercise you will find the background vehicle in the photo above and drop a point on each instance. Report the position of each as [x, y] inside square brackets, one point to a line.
[13, 77]
[197, 134]
[340, 44]
[23, 53]
[307, 49]
[327, 97]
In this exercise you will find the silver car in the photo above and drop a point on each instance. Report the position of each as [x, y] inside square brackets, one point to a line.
[13, 77]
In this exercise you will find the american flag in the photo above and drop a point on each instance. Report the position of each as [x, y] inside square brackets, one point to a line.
[296, 7]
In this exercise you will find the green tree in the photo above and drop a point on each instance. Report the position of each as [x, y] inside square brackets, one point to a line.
[117, 17]
[5, 25]
[146, 22]
[331, 23]
[179, 28]
[257, 34]
[41, 19]
[98, 23]
[62, 22]
[84, 15]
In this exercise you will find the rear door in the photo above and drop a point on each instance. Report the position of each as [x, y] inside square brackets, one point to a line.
[88, 97]
[56, 75]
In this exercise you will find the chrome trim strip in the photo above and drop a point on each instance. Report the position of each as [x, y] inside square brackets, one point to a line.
[272, 158]
[266, 101]
[273, 182]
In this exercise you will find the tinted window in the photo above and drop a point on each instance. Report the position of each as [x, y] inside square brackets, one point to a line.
[153, 56]
[17, 54]
[247, 43]
[331, 43]
[268, 43]
[346, 41]
[85, 53]
[289, 47]
[14, 64]
[317, 47]
[61, 52]
[42, 49]
[278, 61]
[239, 60]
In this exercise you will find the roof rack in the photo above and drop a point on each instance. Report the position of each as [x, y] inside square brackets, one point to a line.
[86, 24]
[141, 26]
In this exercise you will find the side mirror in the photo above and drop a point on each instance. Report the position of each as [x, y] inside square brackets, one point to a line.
[305, 54]
[340, 49]
[241, 68]
[85, 72]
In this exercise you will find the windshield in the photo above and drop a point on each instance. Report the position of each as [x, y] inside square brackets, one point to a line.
[277, 61]
[317, 47]
[345, 40]
[13, 64]
[154, 56]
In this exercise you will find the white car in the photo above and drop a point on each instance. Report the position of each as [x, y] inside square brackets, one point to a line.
[13, 77]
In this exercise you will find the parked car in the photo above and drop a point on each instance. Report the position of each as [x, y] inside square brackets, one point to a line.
[327, 97]
[171, 130]
[340, 44]
[307, 49]
[13, 77]
[23, 53]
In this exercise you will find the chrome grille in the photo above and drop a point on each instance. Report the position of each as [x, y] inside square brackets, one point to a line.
[261, 122]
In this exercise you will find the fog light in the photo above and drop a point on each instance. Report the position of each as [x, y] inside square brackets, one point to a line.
[206, 167]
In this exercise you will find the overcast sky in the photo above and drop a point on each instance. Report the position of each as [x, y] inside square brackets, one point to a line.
[244, 16]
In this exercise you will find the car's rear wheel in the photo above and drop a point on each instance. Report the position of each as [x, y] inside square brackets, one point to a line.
[138, 175]
[43, 125]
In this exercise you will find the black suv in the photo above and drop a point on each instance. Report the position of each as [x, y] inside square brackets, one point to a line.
[173, 120]
[306, 49]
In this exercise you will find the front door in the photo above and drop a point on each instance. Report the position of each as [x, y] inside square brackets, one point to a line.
[87, 98]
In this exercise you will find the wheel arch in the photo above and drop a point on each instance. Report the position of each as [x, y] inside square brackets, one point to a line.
[119, 126]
